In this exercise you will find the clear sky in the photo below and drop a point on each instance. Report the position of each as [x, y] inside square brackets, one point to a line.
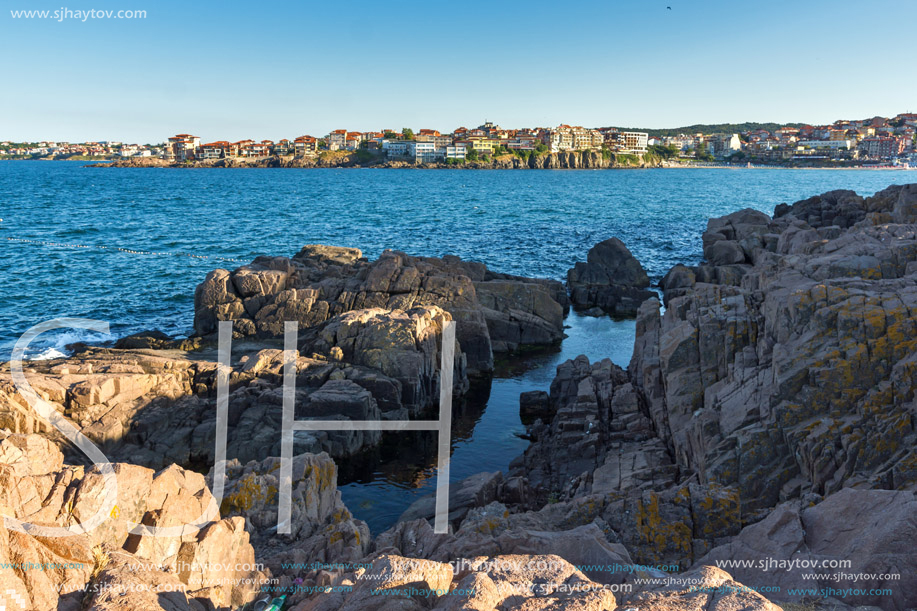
[233, 70]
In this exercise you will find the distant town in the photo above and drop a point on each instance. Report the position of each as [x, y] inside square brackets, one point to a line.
[876, 141]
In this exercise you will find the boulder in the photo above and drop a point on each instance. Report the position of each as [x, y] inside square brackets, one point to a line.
[611, 279]
[322, 529]
[403, 346]
[790, 372]
[791, 547]
[535, 404]
[212, 561]
[493, 311]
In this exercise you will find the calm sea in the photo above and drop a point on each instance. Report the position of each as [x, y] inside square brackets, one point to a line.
[534, 223]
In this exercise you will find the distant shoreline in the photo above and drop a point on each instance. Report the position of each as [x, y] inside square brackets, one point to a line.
[578, 160]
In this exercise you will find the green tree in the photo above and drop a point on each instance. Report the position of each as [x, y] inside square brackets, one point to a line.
[701, 153]
[471, 155]
[541, 148]
[663, 151]
[391, 136]
[407, 133]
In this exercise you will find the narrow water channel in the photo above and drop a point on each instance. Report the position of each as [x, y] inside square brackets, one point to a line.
[486, 426]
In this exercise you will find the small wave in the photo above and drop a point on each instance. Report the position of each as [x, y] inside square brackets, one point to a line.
[47, 355]
[53, 345]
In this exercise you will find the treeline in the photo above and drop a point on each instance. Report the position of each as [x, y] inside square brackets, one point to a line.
[712, 128]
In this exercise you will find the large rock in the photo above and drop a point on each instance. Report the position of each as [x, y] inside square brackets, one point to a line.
[597, 426]
[214, 563]
[493, 311]
[404, 346]
[790, 369]
[611, 279]
[156, 407]
[322, 529]
[799, 549]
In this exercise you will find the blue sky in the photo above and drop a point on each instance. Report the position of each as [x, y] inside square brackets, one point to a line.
[233, 70]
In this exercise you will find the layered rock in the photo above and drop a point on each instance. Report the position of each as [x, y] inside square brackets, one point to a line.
[785, 364]
[493, 311]
[156, 407]
[799, 548]
[599, 458]
[610, 280]
[322, 529]
[212, 564]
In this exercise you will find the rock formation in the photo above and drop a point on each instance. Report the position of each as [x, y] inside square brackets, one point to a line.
[611, 280]
[208, 567]
[781, 372]
[156, 407]
[494, 312]
[563, 160]
[767, 414]
[785, 364]
[322, 529]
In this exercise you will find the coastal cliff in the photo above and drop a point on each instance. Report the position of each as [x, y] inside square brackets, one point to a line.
[767, 409]
[566, 160]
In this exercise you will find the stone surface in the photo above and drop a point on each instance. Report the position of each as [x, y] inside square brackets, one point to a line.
[213, 561]
[322, 529]
[611, 279]
[796, 373]
[404, 346]
[493, 311]
[156, 407]
[474, 491]
[881, 543]
[711, 589]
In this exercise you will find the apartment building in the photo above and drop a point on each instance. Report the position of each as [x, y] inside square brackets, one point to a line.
[181, 147]
[633, 142]
[305, 145]
[215, 150]
[457, 151]
[882, 147]
[337, 140]
[412, 150]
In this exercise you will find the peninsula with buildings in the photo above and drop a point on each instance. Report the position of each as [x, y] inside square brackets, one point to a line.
[873, 142]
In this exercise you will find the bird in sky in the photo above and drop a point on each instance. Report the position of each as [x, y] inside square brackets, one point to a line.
[669, 7]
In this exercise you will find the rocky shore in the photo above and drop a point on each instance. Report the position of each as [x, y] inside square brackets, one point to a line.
[767, 415]
[566, 160]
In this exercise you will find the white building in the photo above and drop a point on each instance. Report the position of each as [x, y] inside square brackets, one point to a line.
[825, 144]
[456, 152]
[397, 149]
[426, 152]
[418, 152]
[634, 142]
